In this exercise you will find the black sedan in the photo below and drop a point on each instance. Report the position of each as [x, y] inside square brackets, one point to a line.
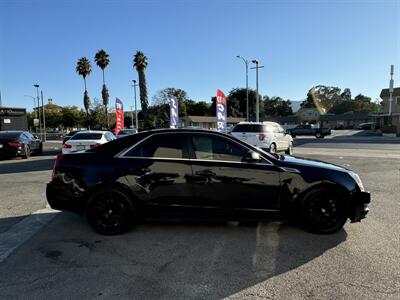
[187, 174]
[19, 143]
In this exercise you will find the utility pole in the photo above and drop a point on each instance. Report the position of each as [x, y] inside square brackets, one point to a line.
[136, 113]
[44, 118]
[1, 103]
[132, 115]
[255, 61]
[246, 62]
[391, 83]
[38, 108]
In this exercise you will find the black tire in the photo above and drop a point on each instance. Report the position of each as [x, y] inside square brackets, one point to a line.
[40, 150]
[272, 148]
[318, 135]
[289, 150]
[323, 211]
[27, 152]
[110, 211]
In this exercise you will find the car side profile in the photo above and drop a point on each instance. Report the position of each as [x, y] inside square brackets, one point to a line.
[18, 143]
[201, 174]
[269, 136]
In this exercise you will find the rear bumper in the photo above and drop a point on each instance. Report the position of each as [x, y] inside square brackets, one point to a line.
[360, 209]
[62, 198]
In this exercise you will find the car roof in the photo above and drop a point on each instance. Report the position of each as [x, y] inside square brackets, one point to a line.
[258, 123]
[92, 131]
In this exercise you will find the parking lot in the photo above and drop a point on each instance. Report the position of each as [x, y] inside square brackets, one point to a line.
[52, 254]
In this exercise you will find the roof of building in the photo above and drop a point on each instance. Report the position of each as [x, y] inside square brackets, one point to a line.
[209, 119]
[343, 117]
[385, 92]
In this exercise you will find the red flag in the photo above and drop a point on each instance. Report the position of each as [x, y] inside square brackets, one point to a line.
[119, 116]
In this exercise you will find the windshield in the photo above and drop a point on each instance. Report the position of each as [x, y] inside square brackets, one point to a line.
[87, 136]
[9, 135]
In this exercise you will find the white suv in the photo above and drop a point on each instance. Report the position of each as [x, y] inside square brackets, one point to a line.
[268, 136]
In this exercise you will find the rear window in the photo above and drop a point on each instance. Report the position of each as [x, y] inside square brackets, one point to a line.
[252, 128]
[9, 135]
[87, 136]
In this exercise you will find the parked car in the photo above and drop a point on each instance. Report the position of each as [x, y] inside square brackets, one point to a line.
[84, 140]
[19, 143]
[308, 129]
[125, 132]
[368, 126]
[201, 174]
[269, 136]
[69, 135]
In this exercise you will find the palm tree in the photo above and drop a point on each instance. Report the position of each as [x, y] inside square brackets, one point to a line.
[102, 60]
[84, 68]
[140, 63]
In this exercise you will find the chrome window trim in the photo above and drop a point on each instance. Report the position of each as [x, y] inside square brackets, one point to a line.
[123, 153]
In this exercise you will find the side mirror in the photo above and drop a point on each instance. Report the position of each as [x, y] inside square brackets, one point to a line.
[252, 157]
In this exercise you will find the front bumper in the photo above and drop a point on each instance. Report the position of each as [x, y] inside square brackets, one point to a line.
[360, 201]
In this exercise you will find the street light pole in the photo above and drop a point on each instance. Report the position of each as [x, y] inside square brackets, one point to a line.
[38, 108]
[246, 62]
[136, 113]
[391, 93]
[132, 115]
[44, 118]
[255, 61]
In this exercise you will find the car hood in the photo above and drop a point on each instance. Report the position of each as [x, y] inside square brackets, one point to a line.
[291, 161]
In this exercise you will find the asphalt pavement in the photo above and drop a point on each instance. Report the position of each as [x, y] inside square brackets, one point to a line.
[52, 254]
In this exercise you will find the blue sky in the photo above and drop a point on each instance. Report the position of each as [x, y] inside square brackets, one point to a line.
[192, 45]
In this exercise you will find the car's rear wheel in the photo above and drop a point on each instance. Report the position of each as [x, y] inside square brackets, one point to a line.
[318, 135]
[40, 150]
[323, 211]
[110, 211]
[272, 148]
[27, 152]
[289, 150]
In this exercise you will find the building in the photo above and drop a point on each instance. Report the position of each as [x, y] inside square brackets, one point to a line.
[345, 121]
[308, 115]
[206, 122]
[13, 119]
[384, 118]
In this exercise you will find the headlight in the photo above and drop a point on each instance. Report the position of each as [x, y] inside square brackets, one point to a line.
[358, 180]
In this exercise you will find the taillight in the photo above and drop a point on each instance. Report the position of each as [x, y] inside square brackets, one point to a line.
[15, 144]
[67, 146]
[261, 136]
[56, 164]
[94, 145]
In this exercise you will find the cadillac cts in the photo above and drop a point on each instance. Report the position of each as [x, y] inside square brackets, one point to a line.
[188, 174]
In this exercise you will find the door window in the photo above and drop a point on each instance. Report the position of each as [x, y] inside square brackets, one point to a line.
[160, 146]
[213, 148]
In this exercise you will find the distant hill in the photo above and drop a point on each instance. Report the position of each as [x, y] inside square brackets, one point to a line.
[295, 105]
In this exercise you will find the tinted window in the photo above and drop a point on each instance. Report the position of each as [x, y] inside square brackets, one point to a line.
[71, 133]
[9, 135]
[161, 146]
[87, 136]
[213, 148]
[251, 128]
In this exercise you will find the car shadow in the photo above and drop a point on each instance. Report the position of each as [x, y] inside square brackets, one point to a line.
[159, 259]
[18, 165]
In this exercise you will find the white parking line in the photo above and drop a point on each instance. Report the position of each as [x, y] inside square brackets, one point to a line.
[23, 230]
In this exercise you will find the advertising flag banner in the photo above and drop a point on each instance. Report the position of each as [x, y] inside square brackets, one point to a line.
[221, 106]
[173, 112]
[119, 115]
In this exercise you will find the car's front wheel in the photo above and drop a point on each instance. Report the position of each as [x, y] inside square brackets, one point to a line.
[289, 150]
[272, 148]
[323, 211]
[319, 135]
[110, 211]
[27, 152]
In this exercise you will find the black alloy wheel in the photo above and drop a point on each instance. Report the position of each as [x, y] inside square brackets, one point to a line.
[324, 211]
[318, 135]
[110, 212]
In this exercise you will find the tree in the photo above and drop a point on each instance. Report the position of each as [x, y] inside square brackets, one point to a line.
[162, 97]
[71, 116]
[102, 60]
[140, 63]
[360, 104]
[346, 95]
[276, 106]
[200, 108]
[322, 97]
[84, 68]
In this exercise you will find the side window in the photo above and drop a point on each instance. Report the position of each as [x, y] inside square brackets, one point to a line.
[159, 146]
[213, 148]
